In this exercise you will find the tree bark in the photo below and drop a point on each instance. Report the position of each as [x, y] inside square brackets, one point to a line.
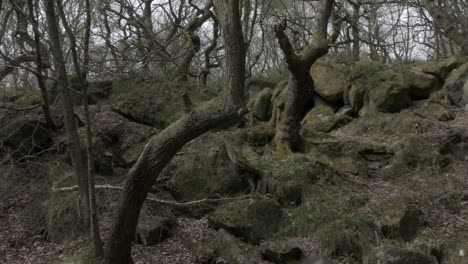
[227, 109]
[300, 85]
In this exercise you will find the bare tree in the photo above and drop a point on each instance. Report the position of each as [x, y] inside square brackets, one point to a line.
[300, 84]
[451, 18]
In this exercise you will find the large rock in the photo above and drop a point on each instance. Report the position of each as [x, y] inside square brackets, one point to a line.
[261, 108]
[322, 119]
[25, 135]
[388, 97]
[377, 87]
[330, 80]
[456, 86]
[250, 220]
[280, 252]
[152, 230]
[394, 255]
[226, 248]
[410, 223]
[442, 69]
[422, 84]
[204, 170]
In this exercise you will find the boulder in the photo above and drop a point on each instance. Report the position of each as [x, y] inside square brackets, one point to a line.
[226, 248]
[322, 119]
[442, 69]
[422, 84]
[199, 174]
[251, 220]
[261, 108]
[152, 230]
[25, 135]
[456, 86]
[280, 252]
[388, 96]
[410, 223]
[438, 112]
[394, 255]
[377, 87]
[330, 80]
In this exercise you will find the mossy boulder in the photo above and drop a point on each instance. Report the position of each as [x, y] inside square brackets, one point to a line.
[388, 97]
[438, 112]
[226, 248]
[422, 84]
[251, 220]
[377, 87]
[330, 80]
[25, 136]
[456, 86]
[261, 108]
[394, 255]
[442, 68]
[347, 237]
[280, 252]
[152, 230]
[322, 119]
[197, 174]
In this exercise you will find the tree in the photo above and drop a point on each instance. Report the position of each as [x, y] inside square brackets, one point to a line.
[227, 109]
[450, 17]
[300, 84]
[74, 145]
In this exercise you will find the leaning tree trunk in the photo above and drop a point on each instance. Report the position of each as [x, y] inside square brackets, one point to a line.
[300, 85]
[228, 108]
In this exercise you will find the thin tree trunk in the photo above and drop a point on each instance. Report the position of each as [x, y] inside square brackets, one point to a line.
[39, 69]
[228, 108]
[74, 144]
[97, 250]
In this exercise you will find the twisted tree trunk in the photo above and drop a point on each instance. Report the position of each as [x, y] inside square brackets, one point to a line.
[300, 85]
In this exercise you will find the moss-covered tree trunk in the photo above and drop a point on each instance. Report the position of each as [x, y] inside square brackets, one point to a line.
[300, 85]
[227, 109]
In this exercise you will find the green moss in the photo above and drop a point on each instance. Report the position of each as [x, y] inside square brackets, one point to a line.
[347, 237]
[62, 217]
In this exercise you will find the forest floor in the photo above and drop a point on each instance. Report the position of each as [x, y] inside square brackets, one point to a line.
[26, 185]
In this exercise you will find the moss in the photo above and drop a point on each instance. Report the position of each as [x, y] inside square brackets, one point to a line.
[322, 119]
[347, 237]
[456, 86]
[330, 80]
[62, 217]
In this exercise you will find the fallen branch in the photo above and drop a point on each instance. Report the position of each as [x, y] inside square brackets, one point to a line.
[16, 107]
[160, 201]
